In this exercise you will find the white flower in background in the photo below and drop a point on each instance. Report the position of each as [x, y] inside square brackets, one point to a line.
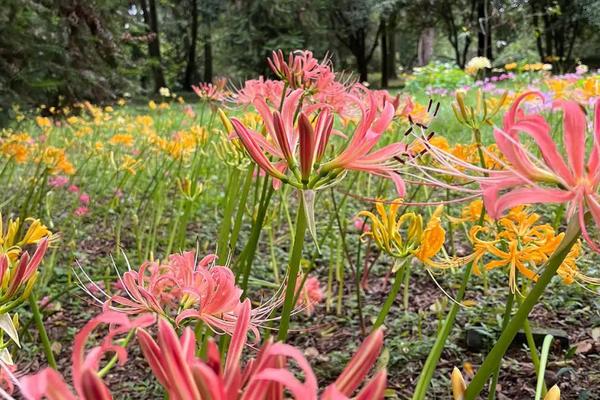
[476, 64]
[581, 69]
[164, 92]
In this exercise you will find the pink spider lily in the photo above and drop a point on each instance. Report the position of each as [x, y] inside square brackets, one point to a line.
[301, 70]
[309, 294]
[551, 179]
[186, 377]
[268, 90]
[16, 281]
[51, 385]
[300, 146]
[209, 92]
[183, 288]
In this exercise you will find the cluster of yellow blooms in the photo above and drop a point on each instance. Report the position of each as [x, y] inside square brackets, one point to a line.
[517, 242]
[18, 272]
[407, 235]
[119, 137]
[581, 91]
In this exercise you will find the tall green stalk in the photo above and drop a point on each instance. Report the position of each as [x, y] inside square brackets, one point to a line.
[389, 301]
[495, 355]
[228, 203]
[293, 267]
[440, 340]
[244, 264]
[507, 312]
[39, 323]
[239, 216]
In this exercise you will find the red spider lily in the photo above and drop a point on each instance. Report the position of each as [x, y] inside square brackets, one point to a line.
[358, 154]
[309, 294]
[16, 282]
[211, 92]
[301, 70]
[307, 169]
[184, 288]
[206, 291]
[88, 385]
[551, 179]
[184, 376]
[268, 90]
[145, 292]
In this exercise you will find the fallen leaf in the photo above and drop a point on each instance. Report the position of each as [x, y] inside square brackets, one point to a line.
[596, 333]
[583, 347]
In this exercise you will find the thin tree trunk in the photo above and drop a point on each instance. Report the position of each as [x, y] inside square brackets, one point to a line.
[361, 65]
[384, 55]
[151, 20]
[190, 70]
[208, 57]
[391, 34]
[425, 46]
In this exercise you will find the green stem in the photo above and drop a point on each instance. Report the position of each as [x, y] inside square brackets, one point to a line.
[440, 340]
[229, 203]
[293, 267]
[391, 295]
[239, 216]
[535, 357]
[406, 287]
[247, 257]
[540, 389]
[39, 323]
[113, 361]
[507, 312]
[497, 352]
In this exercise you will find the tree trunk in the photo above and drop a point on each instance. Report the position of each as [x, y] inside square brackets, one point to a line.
[151, 20]
[425, 46]
[391, 34]
[484, 33]
[208, 57]
[191, 73]
[384, 55]
[361, 65]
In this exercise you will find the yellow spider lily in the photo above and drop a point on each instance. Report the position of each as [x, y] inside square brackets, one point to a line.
[11, 245]
[459, 387]
[423, 243]
[520, 244]
[386, 229]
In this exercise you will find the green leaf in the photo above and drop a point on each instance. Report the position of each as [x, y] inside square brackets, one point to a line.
[6, 324]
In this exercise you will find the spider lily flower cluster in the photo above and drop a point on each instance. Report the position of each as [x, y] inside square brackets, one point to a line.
[269, 375]
[85, 366]
[213, 93]
[299, 128]
[184, 376]
[483, 112]
[521, 244]
[423, 241]
[551, 179]
[183, 288]
[298, 147]
[18, 271]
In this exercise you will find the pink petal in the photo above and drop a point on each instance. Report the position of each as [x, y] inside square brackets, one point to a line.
[356, 371]
[574, 126]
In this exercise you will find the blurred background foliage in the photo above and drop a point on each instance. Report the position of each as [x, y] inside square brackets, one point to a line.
[55, 52]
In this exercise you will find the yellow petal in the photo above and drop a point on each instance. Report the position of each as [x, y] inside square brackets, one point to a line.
[458, 385]
[553, 393]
